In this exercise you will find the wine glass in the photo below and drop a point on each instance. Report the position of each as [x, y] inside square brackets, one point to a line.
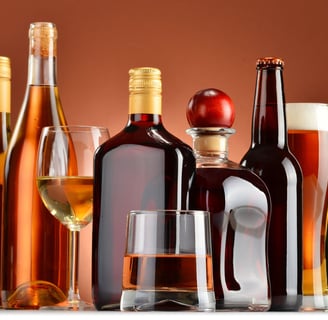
[65, 183]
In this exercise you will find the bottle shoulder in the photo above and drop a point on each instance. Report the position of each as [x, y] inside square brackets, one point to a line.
[272, 164]
[153, 136]
[219, 174]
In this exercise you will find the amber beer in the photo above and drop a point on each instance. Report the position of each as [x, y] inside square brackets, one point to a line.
[308, 140]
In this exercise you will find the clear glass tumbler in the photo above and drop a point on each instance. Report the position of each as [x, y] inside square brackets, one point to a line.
[168, 262]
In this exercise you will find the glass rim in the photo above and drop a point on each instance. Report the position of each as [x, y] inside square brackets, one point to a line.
[73, 127]
[308, 104]
[169, 212]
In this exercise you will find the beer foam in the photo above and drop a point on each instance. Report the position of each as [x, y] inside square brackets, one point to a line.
[307, 116]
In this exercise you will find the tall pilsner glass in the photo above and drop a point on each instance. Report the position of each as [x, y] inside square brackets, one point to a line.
[308, 140]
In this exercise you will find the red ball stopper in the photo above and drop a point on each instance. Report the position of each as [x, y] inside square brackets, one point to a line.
[210, 108]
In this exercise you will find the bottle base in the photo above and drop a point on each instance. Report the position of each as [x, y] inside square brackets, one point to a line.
[286, 303]
[32, 295]
[243, 306]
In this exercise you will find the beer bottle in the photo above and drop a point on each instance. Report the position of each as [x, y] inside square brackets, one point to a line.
[270, 158]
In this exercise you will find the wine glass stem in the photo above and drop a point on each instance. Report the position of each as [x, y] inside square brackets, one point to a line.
[73, 293]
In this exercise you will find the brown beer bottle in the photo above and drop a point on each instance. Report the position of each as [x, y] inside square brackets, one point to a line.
[141, 167]
[34, 244]
[270, 158]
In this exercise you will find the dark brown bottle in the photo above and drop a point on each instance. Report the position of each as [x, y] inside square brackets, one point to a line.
[141, 167]
[270, 158]
[34, 244]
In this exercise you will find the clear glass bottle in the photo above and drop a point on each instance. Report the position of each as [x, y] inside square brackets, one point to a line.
[34, 244]
[239, 204]
[142, 167]
[270, 158]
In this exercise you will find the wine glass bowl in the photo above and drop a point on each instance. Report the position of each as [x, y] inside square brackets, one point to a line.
[65, 183]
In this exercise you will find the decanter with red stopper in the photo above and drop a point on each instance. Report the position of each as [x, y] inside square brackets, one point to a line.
[238, 202]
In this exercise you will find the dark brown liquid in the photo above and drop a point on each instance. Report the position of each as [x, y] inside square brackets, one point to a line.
[238, 203]
[282, 176]
[35, 244]
[167, 272]
[142, 167]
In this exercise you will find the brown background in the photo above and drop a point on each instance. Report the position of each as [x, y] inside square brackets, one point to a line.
[196, 43]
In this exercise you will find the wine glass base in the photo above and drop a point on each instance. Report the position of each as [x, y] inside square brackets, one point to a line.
[71, 306]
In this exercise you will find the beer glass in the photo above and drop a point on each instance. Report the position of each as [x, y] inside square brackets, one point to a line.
[308, 140]
[168, 262]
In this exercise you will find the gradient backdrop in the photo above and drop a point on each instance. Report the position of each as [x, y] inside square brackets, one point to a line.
[196, 43]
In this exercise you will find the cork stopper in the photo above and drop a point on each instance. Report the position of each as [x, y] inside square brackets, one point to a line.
[210, 140]
[5, 70]
[270, 62]
[145, 79]
[43, 39]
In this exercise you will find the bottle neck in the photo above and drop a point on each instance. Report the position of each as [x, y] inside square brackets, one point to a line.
[146, 102]
[145, 107]
[5, 95]
[42, 66]
[269, 119]
[210, 145]
[42, 71]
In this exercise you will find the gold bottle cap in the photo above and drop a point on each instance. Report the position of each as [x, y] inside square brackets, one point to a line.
[43, 36]
[145, 79]
[5, 70]
[145, 87]
[270, 62]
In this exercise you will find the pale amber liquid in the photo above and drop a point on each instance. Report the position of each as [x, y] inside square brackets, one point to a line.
[34, 244]
[311, 150]
[173, 272]
[69, 199]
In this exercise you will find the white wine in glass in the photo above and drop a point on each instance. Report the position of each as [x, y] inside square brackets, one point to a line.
[65, 183]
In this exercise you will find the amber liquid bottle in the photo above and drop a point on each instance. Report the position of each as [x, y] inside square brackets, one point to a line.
[34, 244]
[141, 167]
[239, 205]
[270, 158]
[5, 107]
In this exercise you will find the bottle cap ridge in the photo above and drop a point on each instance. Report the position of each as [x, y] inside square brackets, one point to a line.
[145, 78]
[270, 62]
[5, 70]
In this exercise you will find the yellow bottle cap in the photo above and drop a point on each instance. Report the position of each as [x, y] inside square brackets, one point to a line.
[5, 70]
[145, 78]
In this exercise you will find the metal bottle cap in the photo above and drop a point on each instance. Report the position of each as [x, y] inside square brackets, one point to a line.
[270, 62]
[5, 70]
[145, 79]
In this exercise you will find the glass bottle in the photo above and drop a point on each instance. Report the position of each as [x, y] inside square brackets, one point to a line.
[34, 245]
[239, 204]
[270, 158]
[5, 108]
[142, 167]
